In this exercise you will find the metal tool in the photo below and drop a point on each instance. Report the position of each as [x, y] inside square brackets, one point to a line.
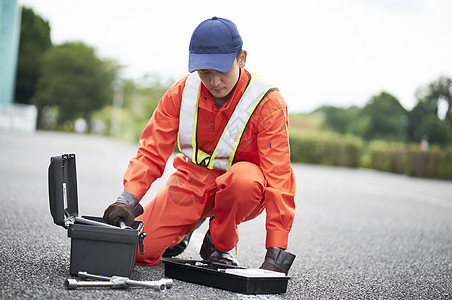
[168, 282]
[123, 225]
[80, 220]
[115, 282]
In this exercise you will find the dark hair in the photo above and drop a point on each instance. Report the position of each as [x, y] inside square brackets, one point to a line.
[238, 54]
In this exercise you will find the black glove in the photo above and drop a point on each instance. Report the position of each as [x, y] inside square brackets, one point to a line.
[278, 260]
[126, 207]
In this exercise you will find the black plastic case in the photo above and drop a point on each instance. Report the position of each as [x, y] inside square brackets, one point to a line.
[96, 248]
[215, 275]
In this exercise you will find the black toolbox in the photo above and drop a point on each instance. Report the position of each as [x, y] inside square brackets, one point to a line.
[236, 279]
[96, 247]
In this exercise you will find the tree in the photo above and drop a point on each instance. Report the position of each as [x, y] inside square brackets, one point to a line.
[34, 42]
[140, 99]
[75, 81]
[435, 130]
[387, 119]
[344, 120]
[415, 118]
[436, 92]
[336, 118]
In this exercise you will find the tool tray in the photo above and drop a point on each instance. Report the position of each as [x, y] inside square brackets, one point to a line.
[96, 247]
[236, 279]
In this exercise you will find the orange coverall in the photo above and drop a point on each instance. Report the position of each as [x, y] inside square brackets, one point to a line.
[260, 178]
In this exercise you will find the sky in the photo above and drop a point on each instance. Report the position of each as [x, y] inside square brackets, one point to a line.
[322, 52]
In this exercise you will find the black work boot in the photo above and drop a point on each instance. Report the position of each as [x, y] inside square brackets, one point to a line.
[210, 253]
[179, 248]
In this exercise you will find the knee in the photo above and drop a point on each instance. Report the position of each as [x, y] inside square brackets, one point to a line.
[243, 178]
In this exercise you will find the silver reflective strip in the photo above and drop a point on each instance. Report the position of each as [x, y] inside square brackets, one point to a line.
[187, 120]
[227, 146]
[225, 150]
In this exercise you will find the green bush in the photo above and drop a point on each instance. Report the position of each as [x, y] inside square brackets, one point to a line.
[384, 156]
[325, 148]
[410, 159]
[432, 163]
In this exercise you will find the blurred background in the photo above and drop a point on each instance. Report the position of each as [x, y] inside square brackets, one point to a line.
[368, 83]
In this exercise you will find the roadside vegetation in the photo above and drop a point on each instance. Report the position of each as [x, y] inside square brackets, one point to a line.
[75, 90]
[313, 144]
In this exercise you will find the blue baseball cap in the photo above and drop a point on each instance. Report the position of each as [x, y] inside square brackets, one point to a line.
[214, 45]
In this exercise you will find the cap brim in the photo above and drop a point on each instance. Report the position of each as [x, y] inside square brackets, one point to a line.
[218, 62]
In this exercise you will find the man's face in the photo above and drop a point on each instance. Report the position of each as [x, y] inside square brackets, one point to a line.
[221, 84]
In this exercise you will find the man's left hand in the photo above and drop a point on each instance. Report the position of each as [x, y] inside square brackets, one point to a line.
[278, 260]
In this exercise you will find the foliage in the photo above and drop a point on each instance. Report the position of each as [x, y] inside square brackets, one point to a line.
[435, 130]
[140, 99]
[387, 118]
[436, 162]
[325, 148]
[344, 120]
[34, 42]
[337, 119]
[385, 156]
[424, 118]
[410, 159]
[422, 110]
[382, 118]
[436, 92]
[139, 103]
[306, 122]
[75, 80]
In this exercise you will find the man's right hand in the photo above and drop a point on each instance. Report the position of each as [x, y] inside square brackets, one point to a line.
[126, 207]
[118, 211]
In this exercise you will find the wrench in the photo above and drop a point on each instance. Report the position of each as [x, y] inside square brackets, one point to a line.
[116, 282]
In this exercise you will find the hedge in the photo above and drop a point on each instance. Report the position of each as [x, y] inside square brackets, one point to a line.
[411, 160]
[325, 148]
[332, 149]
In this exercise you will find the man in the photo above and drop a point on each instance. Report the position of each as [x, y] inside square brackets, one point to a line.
[232, 130]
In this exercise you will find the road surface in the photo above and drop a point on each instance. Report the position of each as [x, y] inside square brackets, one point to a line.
[357, 234]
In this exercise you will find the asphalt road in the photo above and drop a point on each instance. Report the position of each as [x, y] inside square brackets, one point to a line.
[357, 233]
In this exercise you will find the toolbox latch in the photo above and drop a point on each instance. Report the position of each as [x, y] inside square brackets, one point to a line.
[141, 236]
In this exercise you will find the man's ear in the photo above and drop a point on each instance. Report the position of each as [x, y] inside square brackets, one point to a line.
[242, 59]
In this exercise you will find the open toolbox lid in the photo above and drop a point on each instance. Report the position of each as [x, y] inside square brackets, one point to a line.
[63, 188]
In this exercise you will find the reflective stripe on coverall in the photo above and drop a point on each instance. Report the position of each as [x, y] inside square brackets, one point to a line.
[261, 176]
[224, 153]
